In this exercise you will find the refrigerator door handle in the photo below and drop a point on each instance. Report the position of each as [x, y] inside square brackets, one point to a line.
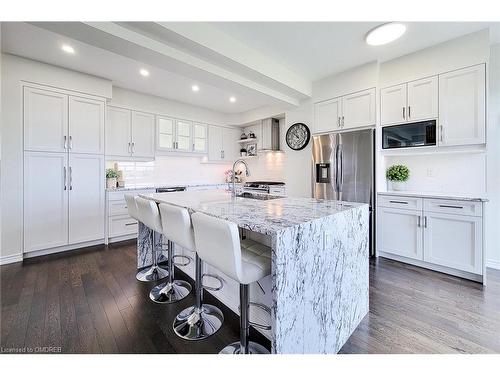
[337, 186]
[341, 167]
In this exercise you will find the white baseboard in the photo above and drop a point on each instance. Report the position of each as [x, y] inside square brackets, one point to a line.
[37, 253]
[11, 259]
[493, 264]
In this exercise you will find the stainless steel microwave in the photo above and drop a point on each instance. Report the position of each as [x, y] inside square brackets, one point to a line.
[416, 134]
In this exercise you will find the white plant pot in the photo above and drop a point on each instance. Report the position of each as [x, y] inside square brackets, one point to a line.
[111, 183]
[398, 185]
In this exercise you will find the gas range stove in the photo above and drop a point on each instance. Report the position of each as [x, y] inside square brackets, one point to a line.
[265, 187]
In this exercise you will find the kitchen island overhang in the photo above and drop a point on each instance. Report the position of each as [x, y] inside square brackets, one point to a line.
[319, 262]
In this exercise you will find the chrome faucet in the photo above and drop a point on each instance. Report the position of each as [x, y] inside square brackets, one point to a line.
[247, 173]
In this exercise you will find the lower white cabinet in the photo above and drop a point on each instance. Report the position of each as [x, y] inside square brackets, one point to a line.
[45, 200]
[63, 199]
[454, 241]
[86, 203]
[400, 232]
[446, 233]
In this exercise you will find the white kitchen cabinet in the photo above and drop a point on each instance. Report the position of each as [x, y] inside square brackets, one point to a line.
[409, 102]
[118, 131]
[86, 125]
[199, 138]
[130, 134]
[462, 107]
[86, 197]
[454, 241]
[45, 200]
[422, 99]
[166, 133]
[230, 146]
[327, 115]
[358, 109]
[184, 136]
[142, 135]
[214, 143]
[393, 105]
[399, 232]
[45, 120]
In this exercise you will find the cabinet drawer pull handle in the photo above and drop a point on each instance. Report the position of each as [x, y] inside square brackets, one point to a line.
[70, 142]
[441, 133]
[404, 118]
[64, 178]
[409, 113]
[425, 221]
[70, 178]
[65, 142]
[128, 224]
[418, 221]
[399, 202]
[449, 206]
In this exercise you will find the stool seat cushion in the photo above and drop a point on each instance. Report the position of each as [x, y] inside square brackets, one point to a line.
[256, 259]
[149, 214]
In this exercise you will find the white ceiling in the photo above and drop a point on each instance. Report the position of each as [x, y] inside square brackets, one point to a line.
[39, 44]
[262, 64]
[319, 49]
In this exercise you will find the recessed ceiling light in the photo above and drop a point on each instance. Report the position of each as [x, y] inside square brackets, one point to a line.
[195, 88]
[68, 49]
[232, 99]
[144, 72]
[386, 33]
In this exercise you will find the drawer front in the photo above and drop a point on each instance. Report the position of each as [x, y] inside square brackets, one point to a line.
[396, 201]
[277, 190]
[122, 225]
[120, 195]
[453, 207]
[118, 207]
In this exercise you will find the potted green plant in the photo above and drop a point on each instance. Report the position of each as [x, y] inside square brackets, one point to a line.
[398, 174]
[111, 176]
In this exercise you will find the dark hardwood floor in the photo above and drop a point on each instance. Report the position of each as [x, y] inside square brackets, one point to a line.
[88, 301]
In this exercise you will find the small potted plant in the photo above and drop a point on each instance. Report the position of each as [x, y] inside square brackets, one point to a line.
[111, 176]
[398, 174]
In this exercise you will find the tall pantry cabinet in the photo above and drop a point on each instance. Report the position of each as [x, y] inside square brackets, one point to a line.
[64, 183]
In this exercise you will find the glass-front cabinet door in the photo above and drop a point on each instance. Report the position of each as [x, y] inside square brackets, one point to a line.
[166, 133]
[183, 142]
[200, 138]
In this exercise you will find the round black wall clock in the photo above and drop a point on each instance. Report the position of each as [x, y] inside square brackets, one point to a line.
[298, 136]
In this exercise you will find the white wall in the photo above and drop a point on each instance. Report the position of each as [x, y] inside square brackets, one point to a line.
[493, 155]
[15, 70]
[157, 105]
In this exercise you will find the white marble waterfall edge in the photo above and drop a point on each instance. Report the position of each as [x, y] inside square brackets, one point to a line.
[320, 295]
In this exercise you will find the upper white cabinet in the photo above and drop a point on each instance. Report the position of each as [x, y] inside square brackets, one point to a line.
[181, 135]
[222, 145]
[118, 131]
[358, 109]
[327, 115]
[409, 102]
[462, 106]
[86, 125]
[143, 135]
[129, 133]
[45, 120]
[349, 111]
[200, 138]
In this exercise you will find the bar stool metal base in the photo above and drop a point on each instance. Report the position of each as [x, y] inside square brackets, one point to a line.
[170, 292]
[154, 273]
[253, 348]
[193, 324]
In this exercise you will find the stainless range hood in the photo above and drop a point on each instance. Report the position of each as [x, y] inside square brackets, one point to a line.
[270, 135]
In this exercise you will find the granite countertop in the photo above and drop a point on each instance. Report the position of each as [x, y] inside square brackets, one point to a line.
[154, 186]
[267, 217]
[437, 195]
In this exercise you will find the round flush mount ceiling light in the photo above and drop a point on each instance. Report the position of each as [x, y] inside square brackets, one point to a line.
[144, 73]
[385, 33]
[232, 99]
[68, 49]
[195, 88]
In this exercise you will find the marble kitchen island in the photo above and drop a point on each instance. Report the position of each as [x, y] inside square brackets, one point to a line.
[319, 280]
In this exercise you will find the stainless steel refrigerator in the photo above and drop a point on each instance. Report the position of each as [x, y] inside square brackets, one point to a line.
[344, 169]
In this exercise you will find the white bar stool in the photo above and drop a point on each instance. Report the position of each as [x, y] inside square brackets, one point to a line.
[201, 320]
[218, 244]
[174, 222]
[149, 215]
